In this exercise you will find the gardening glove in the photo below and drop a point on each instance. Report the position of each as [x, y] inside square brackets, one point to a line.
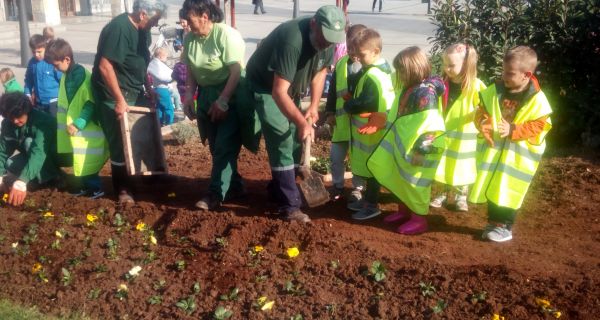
[376, 122]
[18, 193]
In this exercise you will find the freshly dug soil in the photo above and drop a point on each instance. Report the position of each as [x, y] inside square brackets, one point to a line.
[448, 272]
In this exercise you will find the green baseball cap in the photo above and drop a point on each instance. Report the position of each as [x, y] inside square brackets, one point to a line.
[332, 22]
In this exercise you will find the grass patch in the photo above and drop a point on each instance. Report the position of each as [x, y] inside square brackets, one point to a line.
[12, 311]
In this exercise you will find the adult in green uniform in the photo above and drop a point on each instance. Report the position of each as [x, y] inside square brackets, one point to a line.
[33, 134]
[293, 56]
[213, 53]
[118, 79]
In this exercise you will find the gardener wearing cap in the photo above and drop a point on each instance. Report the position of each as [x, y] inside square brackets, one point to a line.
[290, 59]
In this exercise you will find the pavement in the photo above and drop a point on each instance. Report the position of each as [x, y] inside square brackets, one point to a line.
[402, 23]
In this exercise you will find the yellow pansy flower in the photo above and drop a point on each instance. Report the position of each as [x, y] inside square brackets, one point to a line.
[91, 217]
[261, 300]
[48, 214]
[36, 268]
[58, 234]
[258, 248]
[140, 226]
[267, 306]
[557, 314]
[293, 252]
[5, 197]
[542, 302]
[153, 240]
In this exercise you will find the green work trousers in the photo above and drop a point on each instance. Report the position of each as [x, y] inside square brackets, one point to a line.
[224, 141]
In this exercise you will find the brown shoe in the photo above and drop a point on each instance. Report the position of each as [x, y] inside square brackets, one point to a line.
[296, 215]
[125, 197]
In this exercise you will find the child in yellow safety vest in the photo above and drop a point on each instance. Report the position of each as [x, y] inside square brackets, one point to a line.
[80, 140]
[457, 169]
[406, 158]
[343, 83]
[513, 118]
[374, 93]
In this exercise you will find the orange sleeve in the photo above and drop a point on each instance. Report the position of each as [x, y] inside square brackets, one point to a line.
[528, 129]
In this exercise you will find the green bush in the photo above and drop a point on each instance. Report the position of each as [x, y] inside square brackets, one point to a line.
[184, 132]
[564, 33]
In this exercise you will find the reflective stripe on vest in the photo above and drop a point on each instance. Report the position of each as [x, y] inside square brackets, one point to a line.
[507, 169]
[88, 146]
[362, 145]
[341, 130]
[458, 166]
[391, 165]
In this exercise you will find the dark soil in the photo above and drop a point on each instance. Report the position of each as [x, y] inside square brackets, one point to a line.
[554, 254]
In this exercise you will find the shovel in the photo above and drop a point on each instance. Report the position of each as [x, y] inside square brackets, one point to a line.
[310, 184]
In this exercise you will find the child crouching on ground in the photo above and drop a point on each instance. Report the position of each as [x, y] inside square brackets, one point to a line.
[373, 93]
[344, 79]
[407, 157]
[80, 140]
[513, 118]
[457, 169]
[161, 78]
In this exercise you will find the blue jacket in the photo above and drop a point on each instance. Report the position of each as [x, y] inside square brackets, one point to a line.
[42, 79]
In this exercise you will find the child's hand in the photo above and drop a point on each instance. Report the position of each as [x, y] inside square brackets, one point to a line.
[376, 122]
[486, 130]
[347, 96]
[503, 128]
[72, 130]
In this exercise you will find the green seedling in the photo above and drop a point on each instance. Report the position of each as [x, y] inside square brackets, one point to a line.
[439, 306]
[156, 299]
[478, 297]
[331, 309]
[294, 289]
[297, 317]
[187, 305]
[427, 289]
[100, 268]
[31, 235]
[180, 265]
[55, 244]
[66, 278]
[221, 242]
[222, 313]
[159, 285]
[93, 294]
[74, 262]
[378, 271]
[334, 264]
[112, 247]
[196, 288]
[231, 296]
[150, 257]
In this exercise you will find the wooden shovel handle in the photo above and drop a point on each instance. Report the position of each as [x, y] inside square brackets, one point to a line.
[307, 145]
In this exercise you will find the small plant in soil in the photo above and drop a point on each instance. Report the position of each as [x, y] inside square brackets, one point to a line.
[67, 219]
[55, 245]
[187, 305]
[184, 132]
[31, 235]
[334, 264]
[439, 306]
[196, 288]
[159, 285]
[112, 247]
[94, 293]
[378, 271]
[231, 296]
[100, 268]
[155, 299]
[150, 257]
[122, 292]
[255, 255]
[222, 313]
[221, 242]
[74, 262]
[30, 203]
[179, 265]
[297, 317]
[427, 289]
[294, 289]
[321, 165]
[331, 309]
[478, 297]
[119, 223]
[263, 304]
[66, 277]
[261, 278]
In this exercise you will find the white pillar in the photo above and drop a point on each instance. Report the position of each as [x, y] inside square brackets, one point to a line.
[46, 11]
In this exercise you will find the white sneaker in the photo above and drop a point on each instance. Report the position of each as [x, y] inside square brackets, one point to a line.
[497, 233]
[438, 201]
[461, 204]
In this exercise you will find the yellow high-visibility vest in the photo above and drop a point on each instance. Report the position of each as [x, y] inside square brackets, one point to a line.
[505, 171]
[391, 165]
[341, 130]
[457, 165]
[362, 145]
[88, 146]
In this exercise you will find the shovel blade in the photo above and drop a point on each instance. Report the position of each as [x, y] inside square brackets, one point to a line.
[313, 190]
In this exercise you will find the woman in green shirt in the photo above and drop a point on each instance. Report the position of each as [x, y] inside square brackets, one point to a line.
[213, 53]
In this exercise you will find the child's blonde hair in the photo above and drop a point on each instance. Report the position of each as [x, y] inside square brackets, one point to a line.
[367, 39]
[160, 51]
[526, 57]
[413, 63]
[468, 71]
[6, 74]
[48, 33]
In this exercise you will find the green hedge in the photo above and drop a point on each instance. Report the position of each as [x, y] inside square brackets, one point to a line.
[566, 36]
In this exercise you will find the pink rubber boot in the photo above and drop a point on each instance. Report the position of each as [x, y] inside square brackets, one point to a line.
[415, 225]
[401, 216]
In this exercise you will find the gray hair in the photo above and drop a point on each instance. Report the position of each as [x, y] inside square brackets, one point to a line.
[149, 6]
